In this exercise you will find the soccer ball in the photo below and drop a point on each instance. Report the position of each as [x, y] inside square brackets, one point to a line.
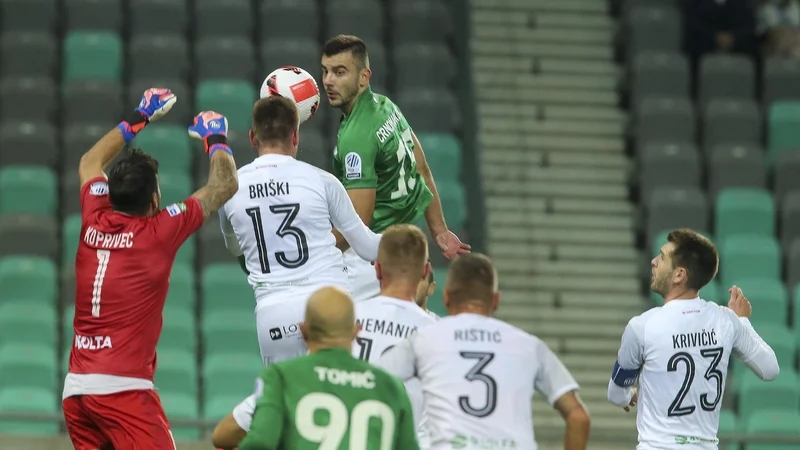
[296, 84]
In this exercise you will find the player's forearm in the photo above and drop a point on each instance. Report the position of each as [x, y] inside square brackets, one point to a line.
[762, 361]
[341, 242]
[223, 182]
[618, 395]
[434, 215]
[101, 154]
[576, 435]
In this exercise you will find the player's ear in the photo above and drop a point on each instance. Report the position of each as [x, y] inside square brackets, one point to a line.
[253, 140]
[296, 138]
[356, 330]
[304, 331]
[364, 76]
[426, 271]
[495, 301]
[378, 270]
[431, 288]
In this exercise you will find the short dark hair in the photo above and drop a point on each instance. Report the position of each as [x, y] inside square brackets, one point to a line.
[696, 254]
[274, 120]
[430, 275]
[403, 251]
[132, 182]
[471, 277]
[348, 43]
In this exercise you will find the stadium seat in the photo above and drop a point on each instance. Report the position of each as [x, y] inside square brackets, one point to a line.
[454, 203]
[362, 18]
[69, 191]
[772, 328]
[94, 15]
[159, 16]
[92, 55]
[780, 80]
[723, 76]
[28, 190]
[781, 393]
[25, 234]
[225, 57]
[424, 65]
[176, 372]
[67, 327]
[430, 110]
[178, 329]
[668, 164]
[169, 144]
[314, 149]
[180, 406]
[224, 286]
[175, 187]
[187, 253]
[670, 208]
[652, 27]
[304, 53]
[744, 211]
[78, 139]
[712, 292]
[435, 302]
[160, 56]
[230, 331]
[783, 127]
[288, 19]
[17, 49]
[234, 99]
[793, 264]
[219, 406]
[28, 365]
[785, 174]
[27, 143]
[745, 256]
[22, 322]
[29, 15]
[182, 111]
[736, 166]
[659, 73]
[182, 288]
[381, 69]
[70, 238]
[420, 21]
[212, 246]
[30, 401]
[28, 98]
[728, 121]
[28, 279]
[790, 218]
[223, 18]
[776, 422]
[230, 373]
[92, 101]
[665, 119]
[727, 425]
[443, 152]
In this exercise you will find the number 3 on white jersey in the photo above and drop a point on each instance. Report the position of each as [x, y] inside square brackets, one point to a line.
[404, 149]
[102, 264]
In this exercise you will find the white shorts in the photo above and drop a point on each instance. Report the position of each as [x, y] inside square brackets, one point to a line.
[364, 283]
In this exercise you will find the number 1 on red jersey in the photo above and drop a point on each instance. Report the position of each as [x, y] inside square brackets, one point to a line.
[102, 264]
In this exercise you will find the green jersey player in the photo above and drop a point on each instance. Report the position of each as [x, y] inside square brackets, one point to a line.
[329, 399]
[378, 159]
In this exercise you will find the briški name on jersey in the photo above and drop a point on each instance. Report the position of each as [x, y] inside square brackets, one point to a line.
[271, 188]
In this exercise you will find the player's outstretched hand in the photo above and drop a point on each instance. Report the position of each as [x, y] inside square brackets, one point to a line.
[156, 103]
[739, 303]
[212, 128]
[634, 399]
[450, 245]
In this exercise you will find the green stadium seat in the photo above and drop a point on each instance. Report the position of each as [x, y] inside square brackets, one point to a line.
[232, 98]
[443, 152]
[727, 425]
[182, 282]
[783, 128]
[30, 401]
[224, 286]
[176, 371]
[231, 373]
[776, 422]
[770, 302]
[68, 331]
[744, 211]
[186, 254]
[781, 393]
[175, 187]
[28, 323]
[782, 341]
[454, 203]
[29, 190]
[28, 278]
[92, 55]
[435, 301]
[70, 238]
[713, 293]
[749, 256]
[170, 145]
[178, 330]
[230, 331]
[218, 406]
[28, 365]
[179, 406]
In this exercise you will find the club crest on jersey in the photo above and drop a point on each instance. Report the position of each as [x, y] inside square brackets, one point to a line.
[176, 208]
[99, 188]
[352, 163]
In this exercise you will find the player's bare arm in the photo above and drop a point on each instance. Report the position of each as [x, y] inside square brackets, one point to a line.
[155, 104]
[576, 415]
[223, 181]
[364, 202]
[447, 241]
[227, 435]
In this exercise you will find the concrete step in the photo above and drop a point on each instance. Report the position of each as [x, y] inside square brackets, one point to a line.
[542, 34]
[598, 206]
[556, 112]
[548, 252]
[599, 51]
[514, 170]
[567, 316]
[577, 6]
[559, 236]
[525, 218]
[555, 158]
[544, 65]
[607, 346]
[556, 144]
[584, 283]
[560, 189]
[519, 266]
[547, 80]
[550, 19]
[562, 96]
[525, 125]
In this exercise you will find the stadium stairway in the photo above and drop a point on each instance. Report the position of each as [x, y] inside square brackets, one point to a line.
[560, 226]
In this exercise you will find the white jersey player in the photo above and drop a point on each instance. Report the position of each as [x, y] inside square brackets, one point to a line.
[425, 289]
[280, 223]
[680, 351]
[479, 374]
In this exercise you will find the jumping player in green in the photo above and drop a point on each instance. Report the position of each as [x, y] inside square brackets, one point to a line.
[378, 159]
[330, 400]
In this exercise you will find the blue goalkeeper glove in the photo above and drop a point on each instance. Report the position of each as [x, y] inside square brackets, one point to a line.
[155, 103]
[212, 129]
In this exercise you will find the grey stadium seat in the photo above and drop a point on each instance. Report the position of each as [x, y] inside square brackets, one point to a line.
[158, 56]
[363, 18]
[212, 245]
[726, 76]
[668, 165]
[70, 192]
[29, 15]
[28, 143]
[33, 235]
[28, 98]
[790, 218]
[243, 153]
[424, 65]
[78, 139]
[430, 110]
[315, 150]
[285, 19]
[303, 53]
[731, 121]
[224, 57]
[159, 17]
[734, 165]
[780, 80]
[653, 28]
[420, 21]
[671, 208]
[92, 101]
[94, 15]
[660, 73]
[379, 63]
[182, 111]
[787, 167]
[665, 118]
[28, 53]
[223, 18]
[793, 266]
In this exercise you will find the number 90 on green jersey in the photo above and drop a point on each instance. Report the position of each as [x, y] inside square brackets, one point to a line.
[331, 435]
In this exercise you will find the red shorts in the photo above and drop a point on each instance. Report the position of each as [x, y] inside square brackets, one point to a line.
[130, 420]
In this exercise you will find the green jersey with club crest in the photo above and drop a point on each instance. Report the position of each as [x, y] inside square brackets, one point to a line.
[375, 151]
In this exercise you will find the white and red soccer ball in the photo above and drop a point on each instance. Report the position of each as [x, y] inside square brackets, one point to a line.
[296, 84]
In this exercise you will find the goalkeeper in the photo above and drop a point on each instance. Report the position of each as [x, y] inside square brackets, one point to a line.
[329, 399]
